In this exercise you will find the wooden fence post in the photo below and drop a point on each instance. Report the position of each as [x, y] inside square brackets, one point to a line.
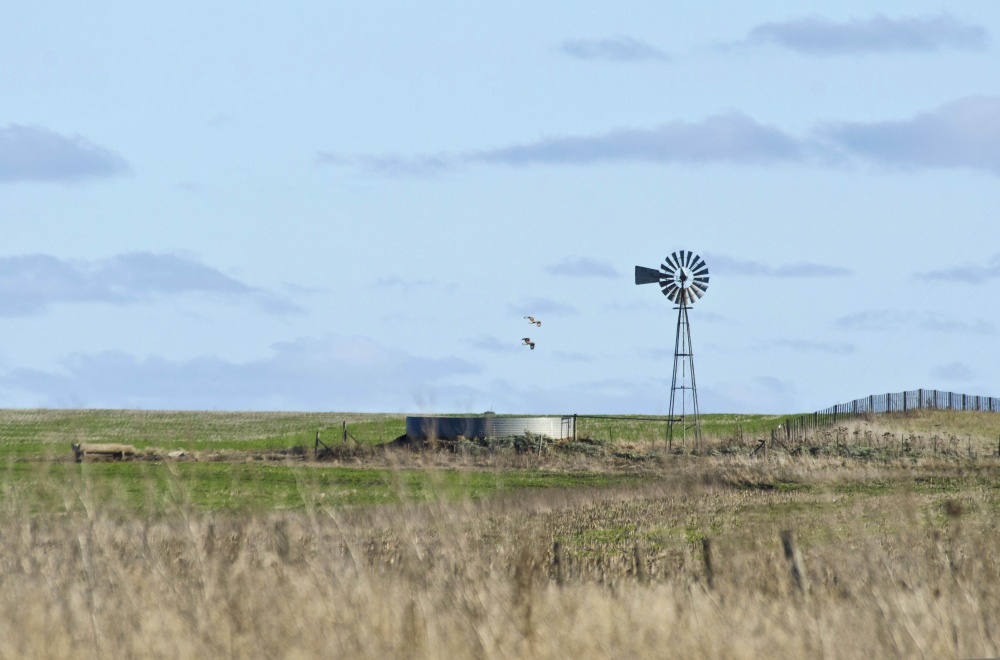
[640, 565]
[794, 558]
[557, 562]
[706, 548]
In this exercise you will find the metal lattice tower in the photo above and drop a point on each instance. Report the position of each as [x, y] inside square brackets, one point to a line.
[683, 278]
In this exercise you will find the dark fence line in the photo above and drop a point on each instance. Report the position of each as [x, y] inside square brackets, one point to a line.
[886, 403]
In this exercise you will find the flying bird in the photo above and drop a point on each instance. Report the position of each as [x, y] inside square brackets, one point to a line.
[531, 319]
[527, 342]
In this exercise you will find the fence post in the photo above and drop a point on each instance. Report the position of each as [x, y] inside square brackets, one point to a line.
[641, 572]
[574, 427]
[920, 398]
[557, 561]
[904, 401]
[794, 558]
[706, 547]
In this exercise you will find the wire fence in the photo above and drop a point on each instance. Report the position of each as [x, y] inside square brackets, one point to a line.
[897, 402]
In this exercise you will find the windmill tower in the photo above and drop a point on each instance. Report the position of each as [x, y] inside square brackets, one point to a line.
[683, 278]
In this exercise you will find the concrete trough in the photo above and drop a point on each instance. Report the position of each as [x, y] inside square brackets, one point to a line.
[487, 426]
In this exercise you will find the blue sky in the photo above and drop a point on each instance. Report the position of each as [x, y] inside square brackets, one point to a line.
[352, 206]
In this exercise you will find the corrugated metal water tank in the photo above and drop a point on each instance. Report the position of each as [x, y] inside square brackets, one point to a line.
[486, 426]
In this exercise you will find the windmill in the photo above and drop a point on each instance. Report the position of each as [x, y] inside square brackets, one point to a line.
[683, 278]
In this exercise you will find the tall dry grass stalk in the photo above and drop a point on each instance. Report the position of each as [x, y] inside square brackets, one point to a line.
[898, 574]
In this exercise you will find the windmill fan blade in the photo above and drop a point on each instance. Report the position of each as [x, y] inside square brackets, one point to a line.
[683, 277]
[646, 275]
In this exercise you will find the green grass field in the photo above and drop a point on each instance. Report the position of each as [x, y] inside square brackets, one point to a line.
[154, 488]
[34, 433]
[243, 461]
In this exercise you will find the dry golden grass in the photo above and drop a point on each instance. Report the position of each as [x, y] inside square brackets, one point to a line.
[900, 561]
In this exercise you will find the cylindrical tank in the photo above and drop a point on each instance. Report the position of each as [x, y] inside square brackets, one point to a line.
[486, 426]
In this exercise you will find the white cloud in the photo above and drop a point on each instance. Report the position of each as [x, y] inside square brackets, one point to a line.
[33, 153]
[820, 36]
[892, 321]
[613, 49]
[731, 137]
[29, 284]
[331, 373]
[720, 264]
[969, 273]
[963, 133]
[956, 371]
